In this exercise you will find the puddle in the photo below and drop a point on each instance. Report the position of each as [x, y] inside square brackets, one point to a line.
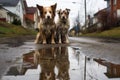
[61, 63]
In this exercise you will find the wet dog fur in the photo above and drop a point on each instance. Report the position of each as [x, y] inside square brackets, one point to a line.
[62, 26]
[46, 25]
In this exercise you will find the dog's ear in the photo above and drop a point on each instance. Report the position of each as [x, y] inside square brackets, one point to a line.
[58, 11]
[68, 10]
[40, 9]
[54, 8]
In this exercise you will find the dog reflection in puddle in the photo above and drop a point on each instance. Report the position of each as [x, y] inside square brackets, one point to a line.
[62, 63]
[49, 58]
[45, 57]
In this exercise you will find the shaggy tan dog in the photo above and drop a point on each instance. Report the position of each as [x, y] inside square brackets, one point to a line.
[46, 25]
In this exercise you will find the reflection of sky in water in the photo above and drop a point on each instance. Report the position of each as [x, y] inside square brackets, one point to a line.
[95, 68]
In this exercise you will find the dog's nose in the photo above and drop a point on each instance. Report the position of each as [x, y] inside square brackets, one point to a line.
[63, 17]
[48, 17]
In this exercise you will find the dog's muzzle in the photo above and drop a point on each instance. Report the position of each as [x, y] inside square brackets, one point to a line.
[48, 17]
[63, 17]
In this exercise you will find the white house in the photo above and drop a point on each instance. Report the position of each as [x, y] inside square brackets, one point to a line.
[16, 7]
[7, 16]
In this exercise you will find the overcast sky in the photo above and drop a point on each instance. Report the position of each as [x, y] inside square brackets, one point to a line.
[75, 5]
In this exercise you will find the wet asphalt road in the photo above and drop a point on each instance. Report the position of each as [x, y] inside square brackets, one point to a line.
[21, 60]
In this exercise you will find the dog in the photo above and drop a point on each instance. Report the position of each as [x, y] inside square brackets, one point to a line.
[46, 25]
[62, 26]
[46, 62]
[62, 63]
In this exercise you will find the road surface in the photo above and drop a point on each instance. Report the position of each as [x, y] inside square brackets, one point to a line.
[83, 58]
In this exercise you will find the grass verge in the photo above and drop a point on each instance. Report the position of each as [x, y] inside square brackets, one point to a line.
[10, 30]
[112, 33]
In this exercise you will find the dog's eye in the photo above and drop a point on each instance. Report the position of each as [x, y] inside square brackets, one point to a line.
[50, 12]
[45, 12]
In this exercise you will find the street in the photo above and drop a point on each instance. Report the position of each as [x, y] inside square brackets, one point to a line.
[82, 59]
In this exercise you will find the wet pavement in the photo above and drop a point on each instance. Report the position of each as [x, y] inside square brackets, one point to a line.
[82, 59]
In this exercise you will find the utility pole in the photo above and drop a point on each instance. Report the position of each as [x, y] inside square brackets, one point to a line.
[85, 69]
[85, 27]
[85, 12]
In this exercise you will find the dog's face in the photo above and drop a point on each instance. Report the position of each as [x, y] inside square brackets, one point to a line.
[47, 12]
[63, 14]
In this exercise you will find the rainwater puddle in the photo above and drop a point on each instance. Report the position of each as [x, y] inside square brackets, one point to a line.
[61, 63]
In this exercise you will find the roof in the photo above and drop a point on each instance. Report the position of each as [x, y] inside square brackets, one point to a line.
[9, 12]
[31, 10]
[9, 2]
[100, 11]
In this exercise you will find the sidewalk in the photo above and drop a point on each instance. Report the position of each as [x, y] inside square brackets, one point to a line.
[94, 40]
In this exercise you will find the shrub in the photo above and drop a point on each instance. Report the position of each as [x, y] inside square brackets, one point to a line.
[16, 22]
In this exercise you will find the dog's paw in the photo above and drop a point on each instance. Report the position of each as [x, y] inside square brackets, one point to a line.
[36, 42]
[60, 41]
[67, 41]
[44, 42]
[53, 42]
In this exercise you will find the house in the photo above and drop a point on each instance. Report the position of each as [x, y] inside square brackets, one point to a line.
[108, 17]
[31, 16]
[16, 7]
[113, 8]
[27, 15]
[7, 16]
[96, 23]
[100, 19]
[89, 21]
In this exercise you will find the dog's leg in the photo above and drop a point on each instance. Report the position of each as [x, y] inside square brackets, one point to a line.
[60, 41]
[37, 38]
[67, 40]
[36, 57]
[53, 41]
[44, 39]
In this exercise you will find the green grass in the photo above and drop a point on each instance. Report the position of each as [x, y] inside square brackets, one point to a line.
[10, 30]
[112, 33]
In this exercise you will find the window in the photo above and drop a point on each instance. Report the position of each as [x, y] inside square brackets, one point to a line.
[118, 13]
